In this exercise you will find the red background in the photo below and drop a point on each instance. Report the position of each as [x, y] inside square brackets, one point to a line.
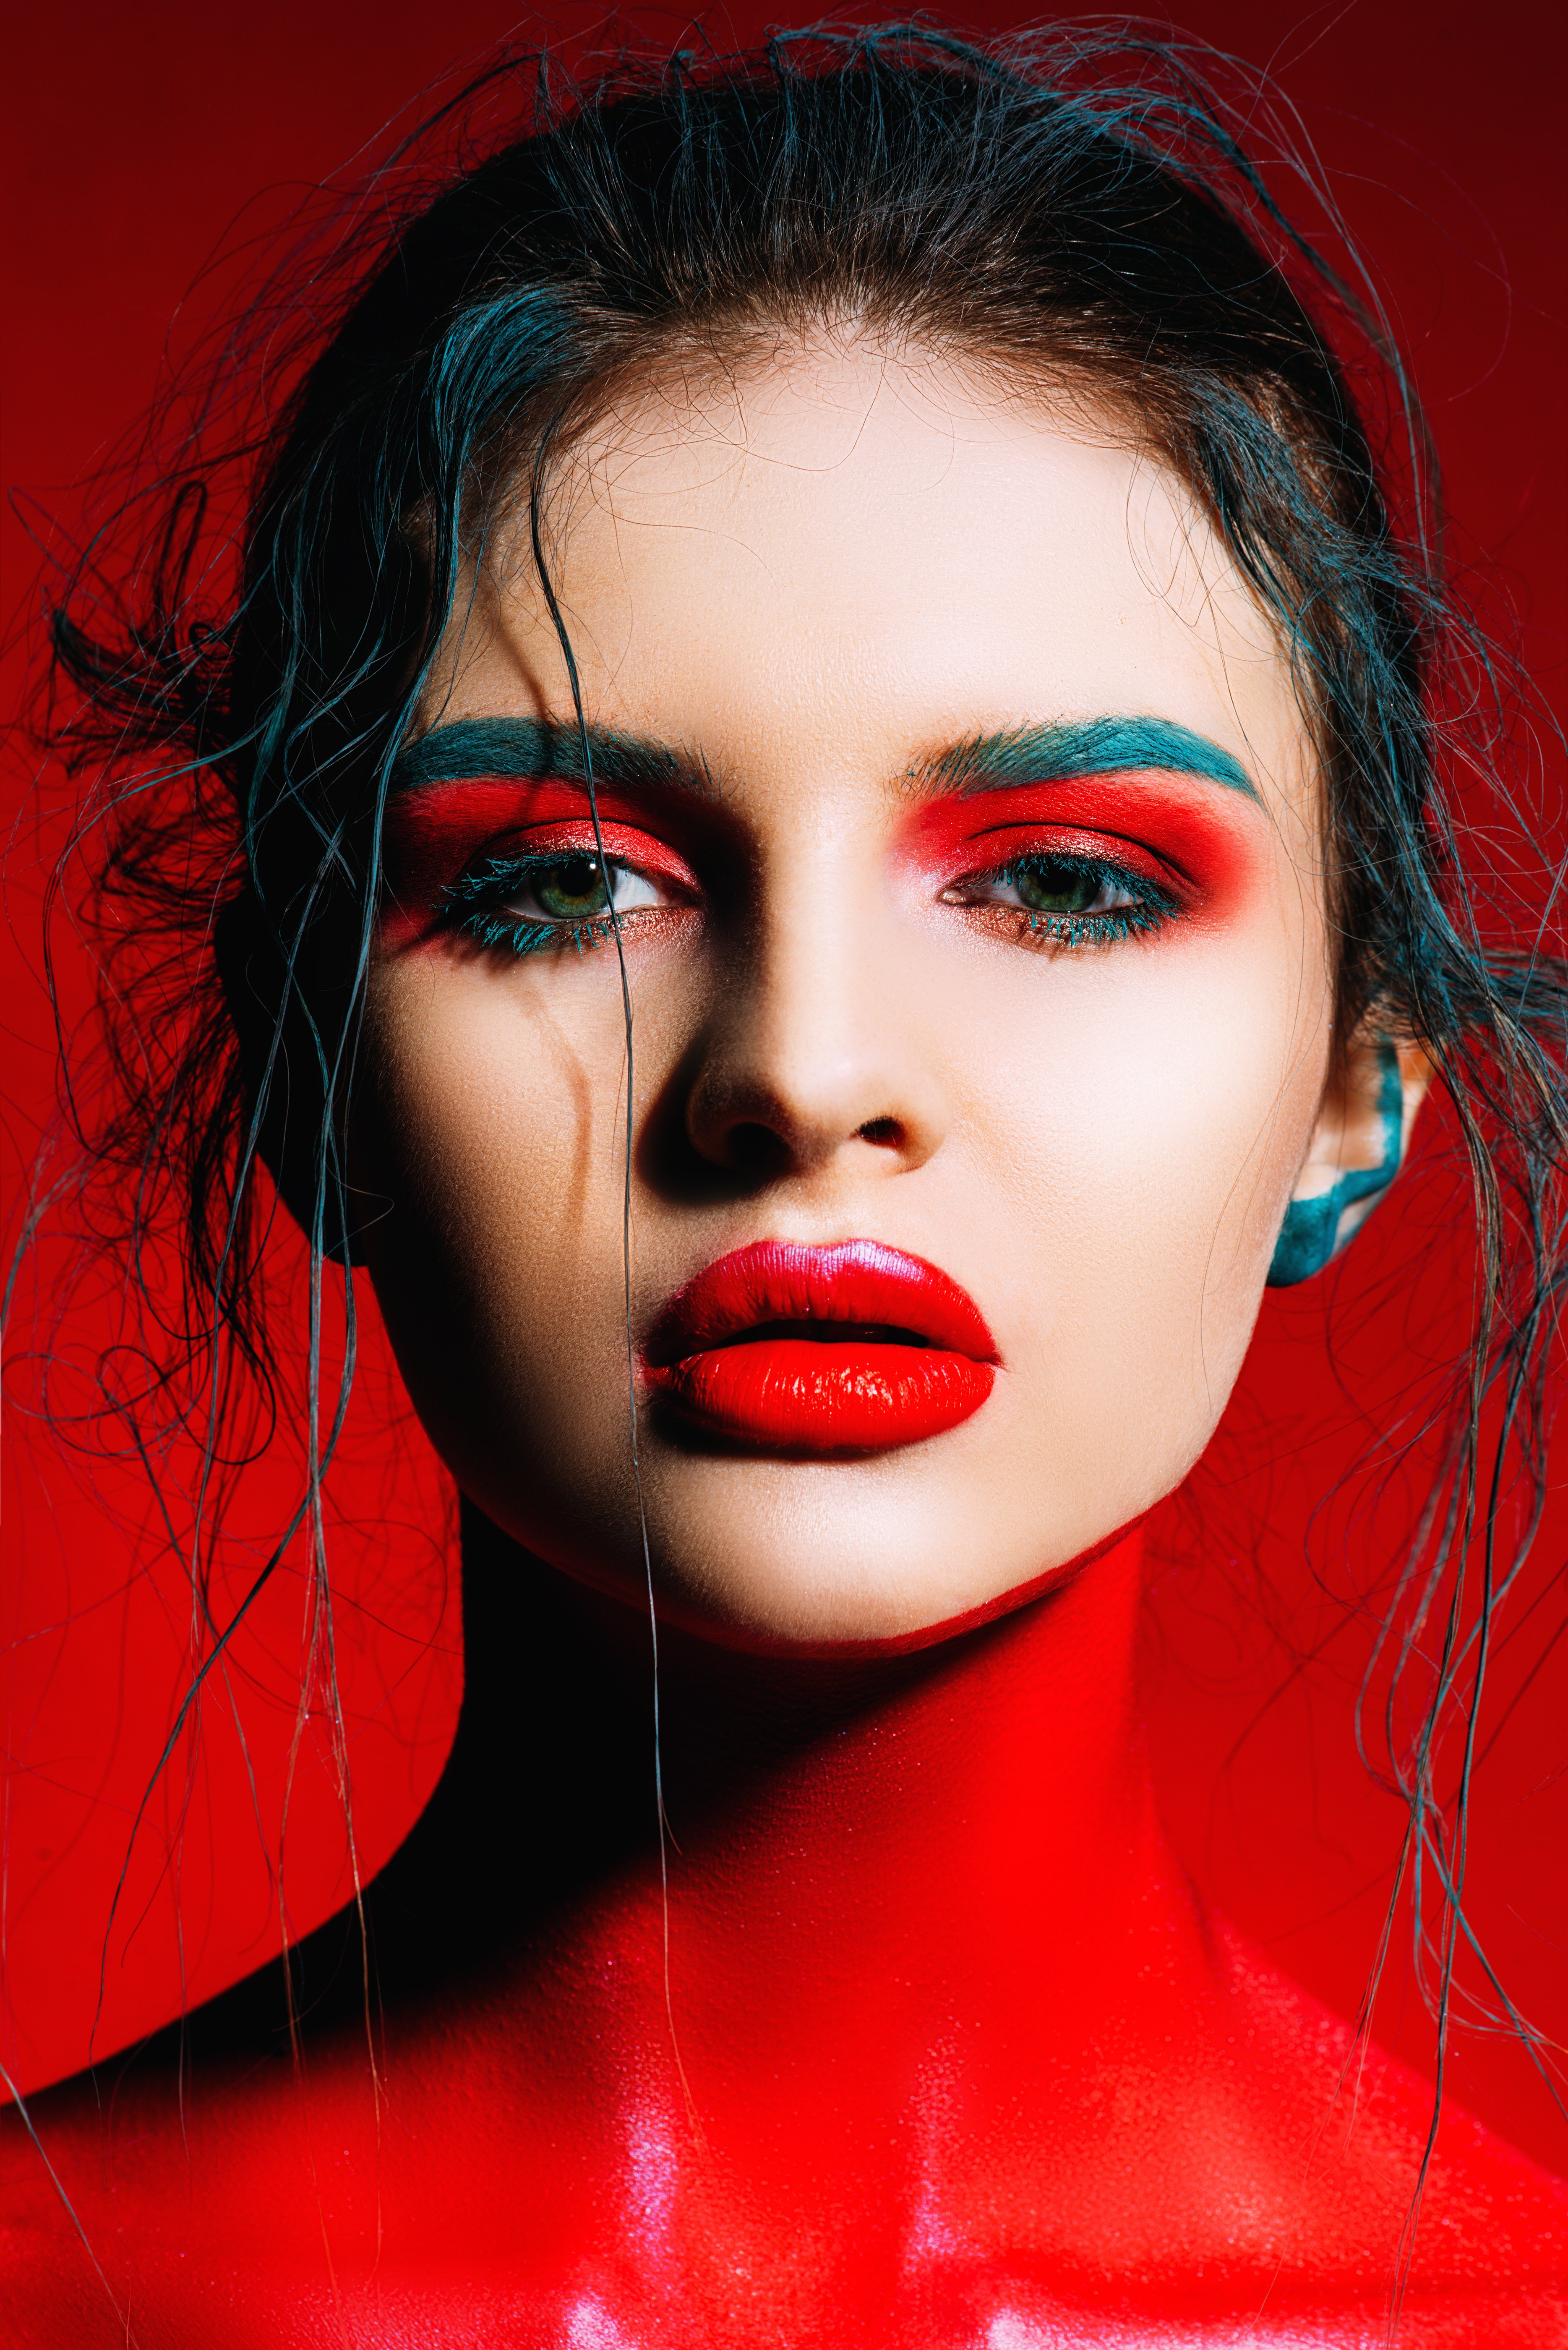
[139, 140]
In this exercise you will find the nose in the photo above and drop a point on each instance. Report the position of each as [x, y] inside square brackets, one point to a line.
[817, 1050]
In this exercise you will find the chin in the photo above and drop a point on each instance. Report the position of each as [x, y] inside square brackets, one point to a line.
[800, 1590]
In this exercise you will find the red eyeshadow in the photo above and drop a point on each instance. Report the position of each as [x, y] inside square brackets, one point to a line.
[1154, 826]
[434, 834]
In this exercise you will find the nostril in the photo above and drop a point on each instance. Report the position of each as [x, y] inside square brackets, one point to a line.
[885, 1131]
[753, 1148]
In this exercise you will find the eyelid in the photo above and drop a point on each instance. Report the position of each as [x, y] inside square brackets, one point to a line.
[1174, 830]
[641, 852]
[447, 822]
[449, 838]
[1116, 852]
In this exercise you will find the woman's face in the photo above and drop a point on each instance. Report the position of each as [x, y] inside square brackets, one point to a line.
[964, 827]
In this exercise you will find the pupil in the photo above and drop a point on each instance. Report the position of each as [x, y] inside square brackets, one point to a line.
[1058, 889]
[574, 887]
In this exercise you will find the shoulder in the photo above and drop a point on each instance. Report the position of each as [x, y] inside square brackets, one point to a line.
[53, 2285]
[1485, 2229]
[146, 2210]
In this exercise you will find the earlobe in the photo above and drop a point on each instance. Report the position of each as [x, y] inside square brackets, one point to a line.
[1357, 1148]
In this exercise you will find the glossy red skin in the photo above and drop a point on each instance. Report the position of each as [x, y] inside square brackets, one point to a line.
[842, 1391]
[947, 2057]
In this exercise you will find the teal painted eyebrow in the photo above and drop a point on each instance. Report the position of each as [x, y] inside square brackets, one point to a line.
[1091, 747]
[532, 749]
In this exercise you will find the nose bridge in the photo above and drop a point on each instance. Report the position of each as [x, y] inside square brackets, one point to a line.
[808, 1040]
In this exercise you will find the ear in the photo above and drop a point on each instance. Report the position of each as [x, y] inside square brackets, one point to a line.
[1357, 1146]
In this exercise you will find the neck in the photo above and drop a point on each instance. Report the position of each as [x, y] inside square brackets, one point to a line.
[959, 1839]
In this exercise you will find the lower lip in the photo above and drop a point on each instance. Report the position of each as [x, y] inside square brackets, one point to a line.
[825, 1396]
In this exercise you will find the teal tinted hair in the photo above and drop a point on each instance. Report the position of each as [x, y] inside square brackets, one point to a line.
[1069, 210]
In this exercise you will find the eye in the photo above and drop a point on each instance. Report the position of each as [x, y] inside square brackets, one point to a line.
[527, 903]
[576, 889]
[1076, 899]
[1049, 885]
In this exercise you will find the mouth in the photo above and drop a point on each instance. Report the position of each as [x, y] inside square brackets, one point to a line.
[843, 1350]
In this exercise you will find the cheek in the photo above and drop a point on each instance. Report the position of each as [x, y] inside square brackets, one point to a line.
[1150, 1122]
[497, 1138]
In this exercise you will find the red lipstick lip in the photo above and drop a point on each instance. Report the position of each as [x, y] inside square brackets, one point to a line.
[850, 1349]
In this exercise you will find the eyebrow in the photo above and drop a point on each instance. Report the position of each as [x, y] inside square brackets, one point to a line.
[532, 749]
[1089, 746]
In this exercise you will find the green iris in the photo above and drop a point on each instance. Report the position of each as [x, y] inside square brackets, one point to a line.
[1057, 889]
[572, 890]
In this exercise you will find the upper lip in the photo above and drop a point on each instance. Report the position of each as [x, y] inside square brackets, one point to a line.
[861, 1283]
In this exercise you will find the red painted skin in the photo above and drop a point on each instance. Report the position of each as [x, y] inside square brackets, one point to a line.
[947, 2053]
[930, 2045]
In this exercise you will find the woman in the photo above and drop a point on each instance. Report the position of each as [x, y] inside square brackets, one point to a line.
[831, 857]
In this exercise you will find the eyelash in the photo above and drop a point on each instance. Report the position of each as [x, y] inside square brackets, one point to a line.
[477, 900]
[484, 893]
[1150, 910]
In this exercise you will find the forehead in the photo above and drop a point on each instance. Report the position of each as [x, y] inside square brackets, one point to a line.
[842, 557]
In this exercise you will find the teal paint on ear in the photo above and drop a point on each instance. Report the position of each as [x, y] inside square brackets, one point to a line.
[1309, 1236]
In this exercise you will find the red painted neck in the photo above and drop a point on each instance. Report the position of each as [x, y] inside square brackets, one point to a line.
[960, 1838]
